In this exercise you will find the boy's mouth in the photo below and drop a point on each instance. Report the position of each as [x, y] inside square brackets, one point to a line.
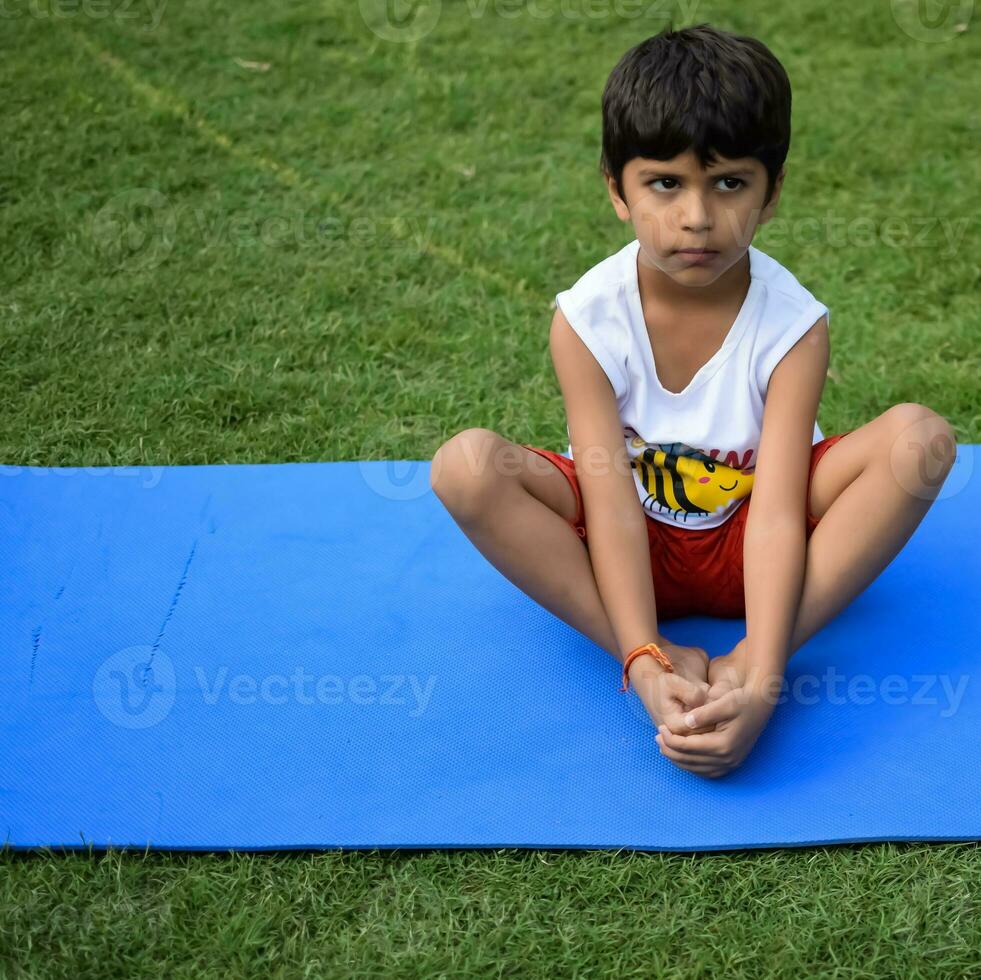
[697, 256]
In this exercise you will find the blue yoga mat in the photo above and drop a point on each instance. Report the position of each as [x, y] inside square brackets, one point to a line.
[315, 656]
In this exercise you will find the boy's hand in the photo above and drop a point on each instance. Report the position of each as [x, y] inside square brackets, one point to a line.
[693, 664]
[667, 695]
[739, 714]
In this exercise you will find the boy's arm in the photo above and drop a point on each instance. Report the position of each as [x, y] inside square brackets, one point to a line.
[775, 542]
[618, 545]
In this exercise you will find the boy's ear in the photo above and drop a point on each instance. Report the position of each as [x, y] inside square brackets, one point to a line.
[619, 205]
[768, 212]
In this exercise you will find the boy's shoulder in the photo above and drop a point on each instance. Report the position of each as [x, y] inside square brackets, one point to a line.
[606, 277]
[782, 286]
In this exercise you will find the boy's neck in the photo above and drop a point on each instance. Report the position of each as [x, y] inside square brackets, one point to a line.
[657, 288]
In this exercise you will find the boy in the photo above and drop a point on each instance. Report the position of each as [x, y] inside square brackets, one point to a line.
[674, 356]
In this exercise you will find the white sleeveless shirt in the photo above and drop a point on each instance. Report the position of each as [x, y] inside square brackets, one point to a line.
[693, 452]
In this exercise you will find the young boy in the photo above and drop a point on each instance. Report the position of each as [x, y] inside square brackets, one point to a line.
[691, 365]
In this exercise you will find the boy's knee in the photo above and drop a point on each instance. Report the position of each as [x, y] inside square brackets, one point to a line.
[922, 447]
[920, 424]
[462, 469]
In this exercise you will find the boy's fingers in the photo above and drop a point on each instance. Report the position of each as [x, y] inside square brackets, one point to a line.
[721, 709]
[684, 695]
[677, 726]
[705, 748]
[720, 689]
[692, 692]
[675, 722]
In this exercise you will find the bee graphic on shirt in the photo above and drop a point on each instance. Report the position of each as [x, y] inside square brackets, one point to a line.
[684, 482]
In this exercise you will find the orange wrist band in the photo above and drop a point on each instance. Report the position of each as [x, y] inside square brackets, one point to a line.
[655, 651]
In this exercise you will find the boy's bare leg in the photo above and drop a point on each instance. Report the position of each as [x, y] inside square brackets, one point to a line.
[515, 511]
[515, 506]
[871, 490]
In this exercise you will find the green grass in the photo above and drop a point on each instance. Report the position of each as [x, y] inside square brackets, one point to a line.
[470, 160]
[898, 910]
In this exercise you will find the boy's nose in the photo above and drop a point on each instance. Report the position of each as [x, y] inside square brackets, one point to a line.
[694, 214]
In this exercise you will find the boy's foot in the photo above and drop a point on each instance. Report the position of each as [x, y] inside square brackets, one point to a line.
[690, 662]
[729, 671]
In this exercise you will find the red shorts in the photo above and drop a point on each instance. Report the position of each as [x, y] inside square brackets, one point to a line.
[696, 572]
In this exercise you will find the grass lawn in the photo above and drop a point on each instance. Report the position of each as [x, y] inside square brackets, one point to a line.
[250, 232]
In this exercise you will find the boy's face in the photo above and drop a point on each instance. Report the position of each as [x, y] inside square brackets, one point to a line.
[675, 205]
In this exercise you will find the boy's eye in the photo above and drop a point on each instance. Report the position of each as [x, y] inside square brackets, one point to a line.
[670, 180]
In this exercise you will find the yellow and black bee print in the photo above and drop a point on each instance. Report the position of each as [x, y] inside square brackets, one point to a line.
[684, 483]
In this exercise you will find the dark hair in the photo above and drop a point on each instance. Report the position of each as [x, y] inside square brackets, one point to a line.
[701, 88]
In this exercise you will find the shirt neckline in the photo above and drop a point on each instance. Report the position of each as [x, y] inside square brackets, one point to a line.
[732, 338]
